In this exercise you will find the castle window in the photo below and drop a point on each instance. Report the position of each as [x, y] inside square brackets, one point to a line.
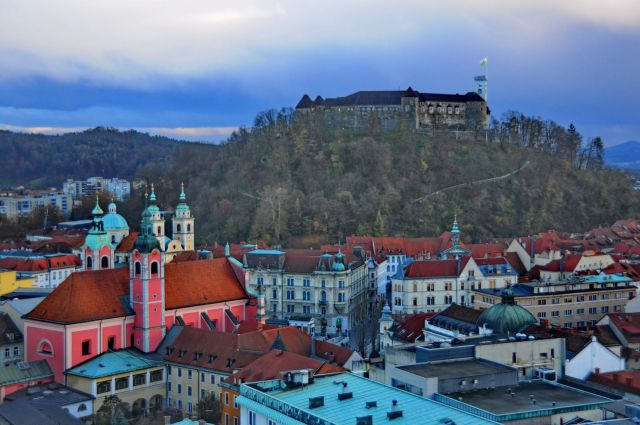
[439, 109]
[104, 262]
[137, 268]
[154, 267]
[431, 109]
[449, 110]
[89, 263]
[456, 110]
[178, 228]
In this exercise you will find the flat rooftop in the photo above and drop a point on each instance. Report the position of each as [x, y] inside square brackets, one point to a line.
[456, 369]
[293, 403]
[500, 402]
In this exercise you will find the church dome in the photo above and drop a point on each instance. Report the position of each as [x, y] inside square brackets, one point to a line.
[507, 316]
[114, 221]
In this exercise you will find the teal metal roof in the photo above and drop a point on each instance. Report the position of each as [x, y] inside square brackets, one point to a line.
[607, 278]
[293, 403]
[97, 240]
[189, 422]
[12, 373]
[112, 363]
[114, 221]
[266, 252]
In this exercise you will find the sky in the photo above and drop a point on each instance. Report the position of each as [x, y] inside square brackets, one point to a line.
[198, 69]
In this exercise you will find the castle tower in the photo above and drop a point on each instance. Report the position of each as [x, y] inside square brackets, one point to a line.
[482, 86]
[146, 286]
[183, 229]
[156, 219]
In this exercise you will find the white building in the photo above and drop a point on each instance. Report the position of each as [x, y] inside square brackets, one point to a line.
[119, 188]
[593, 356]
[17, 203]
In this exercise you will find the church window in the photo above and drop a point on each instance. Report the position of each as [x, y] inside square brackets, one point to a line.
[178, 228]
[137, 268]
[86, 347]
[113, 238]
[89, 263]
[188, 227]
[104, 262]
[159, 230]
[111, 343]
[154, 267]
[45, 348]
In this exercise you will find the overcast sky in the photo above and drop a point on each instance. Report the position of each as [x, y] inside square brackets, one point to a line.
[197, 69]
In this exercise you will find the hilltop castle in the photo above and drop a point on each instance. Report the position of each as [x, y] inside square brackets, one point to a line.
[410, 107]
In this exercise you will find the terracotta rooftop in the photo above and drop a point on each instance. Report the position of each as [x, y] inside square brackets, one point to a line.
[624, 380]
[436, 268]
[127, 243]
[230, 352]
[270, 365]
[102, 294]
[628, 324]
[411, 329]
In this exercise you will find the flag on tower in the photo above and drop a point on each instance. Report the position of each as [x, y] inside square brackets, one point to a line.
[484, 62]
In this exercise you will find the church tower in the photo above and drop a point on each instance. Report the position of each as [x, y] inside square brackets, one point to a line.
[157, 220]
[183, 230]
[146, 286]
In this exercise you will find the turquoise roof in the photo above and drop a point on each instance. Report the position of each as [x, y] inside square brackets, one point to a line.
[97, 210]
[114, 221]
[266, 252]
[338, 267]
[97, 240]
[607, 278]
[112, 363]
[189, 422]
[291, 406]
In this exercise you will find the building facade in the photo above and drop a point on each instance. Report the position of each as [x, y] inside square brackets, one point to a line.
[329, 288]
[118, 188]
[576, 303]
[17, 203]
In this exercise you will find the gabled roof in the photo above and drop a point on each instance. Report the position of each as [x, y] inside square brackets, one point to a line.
[628, 324]
[460, 313]
[517, 264]
[567, 264]
[411, 329]
[102, 294]
[9, 332]
[270, 365]
[229, 352]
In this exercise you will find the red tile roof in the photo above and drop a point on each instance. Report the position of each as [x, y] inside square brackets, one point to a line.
[271, 365]
[244, 348]
[411, 329]
[628, 324]
[39, 263]
[127, 243]
[94, 295]
[517, 264]
[436, 268]
[624, 380]
[486, 249]
[567, 264]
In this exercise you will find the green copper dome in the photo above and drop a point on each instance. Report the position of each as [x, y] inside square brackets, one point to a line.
[506, 317]
[97, 210]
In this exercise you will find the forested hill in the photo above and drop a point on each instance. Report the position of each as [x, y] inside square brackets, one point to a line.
[297, 179]
[38, 160]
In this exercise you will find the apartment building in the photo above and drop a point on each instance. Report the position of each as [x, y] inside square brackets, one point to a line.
[577, 302]
[15, 203]
[305, 285]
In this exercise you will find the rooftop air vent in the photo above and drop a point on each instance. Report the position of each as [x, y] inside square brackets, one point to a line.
[395, 412]
[345, 394]
[316, 402]
[364, 420]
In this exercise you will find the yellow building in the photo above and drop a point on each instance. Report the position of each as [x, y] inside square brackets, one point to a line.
[136, 380]
[9, 281]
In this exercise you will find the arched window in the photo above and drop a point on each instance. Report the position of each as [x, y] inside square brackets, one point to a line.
[89, 263]
[45, 348]
[113, 238]
[104, 263]
[178, 228]
[188, 227]
[137, 268]
[82, 407]
[154, 267]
